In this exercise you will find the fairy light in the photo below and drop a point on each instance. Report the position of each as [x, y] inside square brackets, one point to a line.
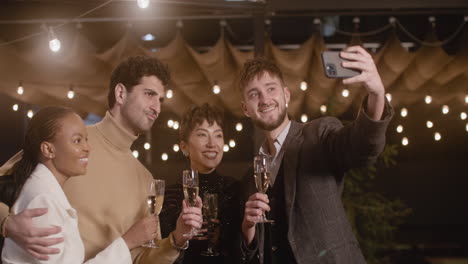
[216, 89]
[226, 148]
[170, 123]
[303, 86]
[389, 96]
[30, 114]
[466, 99]
[176, 125]
[147, 145]
[239, 127]
[399, 128]
[143, 3]
[54, 42]
[323, 109]
[135, 154]
[466, 127]
[20, 89]
[405, 141]
[404, 112]
[304, 118]
[462, 115]
[71, 93]
[445, 109]
[176, 148]
[437, 136]
[345, 93]
[428, 99]
[232, 143]
[169, 94]
[429, 124]
[15, 107]
[164, 156]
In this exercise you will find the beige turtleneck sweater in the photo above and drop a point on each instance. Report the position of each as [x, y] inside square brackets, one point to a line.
[111, 196]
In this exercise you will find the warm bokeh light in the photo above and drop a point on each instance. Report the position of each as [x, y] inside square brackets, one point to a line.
[71, 94]
[30, 114]
[303, 86]
[20, 90]
[15, 107]
[428, 99]
[216, 89]
[176, 148]
[164, 156]
[437, 136]
[462, 115]
[170, 123]
[323, 109]
[345, 93]
[176, 125]
[404, 112]
[304, 118]
[429, 124]
[55, 45]
[143, 3]
[389, 96]
[239, 127]
[226, 148]
[399, 128]
[405, 141]
[169, 94]
[147, 145]
[135, 154]
[232, 143]
[445, 109]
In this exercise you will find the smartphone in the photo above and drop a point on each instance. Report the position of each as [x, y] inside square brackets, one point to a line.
[331, 61]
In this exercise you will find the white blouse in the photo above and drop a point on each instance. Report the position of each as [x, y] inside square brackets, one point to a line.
[42, 190]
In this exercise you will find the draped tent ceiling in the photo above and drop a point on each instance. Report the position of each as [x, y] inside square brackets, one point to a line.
[46, 77]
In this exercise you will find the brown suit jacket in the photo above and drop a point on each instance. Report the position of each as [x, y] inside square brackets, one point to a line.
[317, 155]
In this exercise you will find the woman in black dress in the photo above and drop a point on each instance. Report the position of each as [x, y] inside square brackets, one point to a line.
[202, 142]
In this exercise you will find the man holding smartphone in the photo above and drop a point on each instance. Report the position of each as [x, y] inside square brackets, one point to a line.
[304, 198]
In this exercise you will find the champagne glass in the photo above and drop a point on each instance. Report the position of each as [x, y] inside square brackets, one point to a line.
[262, 179]
[210, 211]
[190, 185]
[155, 202]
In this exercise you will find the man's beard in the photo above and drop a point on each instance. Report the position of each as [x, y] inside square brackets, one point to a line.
[271, 126]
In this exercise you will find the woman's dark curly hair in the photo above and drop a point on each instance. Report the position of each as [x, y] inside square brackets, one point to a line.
[196, 115]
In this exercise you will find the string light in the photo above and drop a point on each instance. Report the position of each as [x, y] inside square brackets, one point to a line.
[405, 141]
[143, 3]
[445, 109]
[164, 156]
[216, 88]
[462, 115]
[466, 127]
[30, 114]
[399, 128]
[15, 107]
[71, 93]
[428, 99]
[345, 93]
[232, 143]
[303, 85]
[176, 125]
[466, 99]
[176, 148]
[389, 97]
[437, 136]
[20, 89]
[54, 42]
[170, 123]
[404, 112]
[226, 148]
[304, 118]
[169, 94]
[429, 124]
[147, 145]
[323, 109]
[135, 154]
[239, 127]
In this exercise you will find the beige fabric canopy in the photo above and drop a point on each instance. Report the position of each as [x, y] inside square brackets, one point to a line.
[46, 76]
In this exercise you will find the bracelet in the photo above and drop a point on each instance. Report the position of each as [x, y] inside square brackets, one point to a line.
[173, 244]
[4, 223]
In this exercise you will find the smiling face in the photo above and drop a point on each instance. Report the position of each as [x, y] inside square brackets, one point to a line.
[205, 147]
[69, 148]
[141, 107]
[264, 101]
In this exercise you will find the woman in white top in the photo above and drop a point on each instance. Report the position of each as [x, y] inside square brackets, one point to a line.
[56, 149]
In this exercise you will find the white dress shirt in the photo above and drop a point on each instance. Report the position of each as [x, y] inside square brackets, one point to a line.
[42, 190]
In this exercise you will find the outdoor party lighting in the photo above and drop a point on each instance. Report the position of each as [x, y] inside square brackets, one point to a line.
[239, 127]
[164, 156]
[405, 141]
[147, 145]
[70, 93]
[404, 112]
[20, 89]
[462, 115]
[304, 118]
[54, 42]
[428, 99]
[389, 96]
[176, 148]
[143, 3]
[226, 148]
[399, 128]
[429, 124]
[437, 136]
[170, 123]
[232, 143]
[30, 114]
[445, 109]
[323, 109]
[345, 93]
[169, 94]
[176, 125]
[135, 154]
[216, 88]
[148, 37]
[303, 86]
[15, 107]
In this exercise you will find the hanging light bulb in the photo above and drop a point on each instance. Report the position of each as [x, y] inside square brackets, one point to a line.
[147, 145]
[345, 93]
[170, 123]
[304, 118]
[226, 148]
[164, 156]
[404, 112]
[323, 109]
[30, 114]
[54, 42]
[71, 93]
[429, 124]
[405, 141]
[169, 94]
[437, 136]
[143, 3]
[20, 89]
[303, 85]
[135, 154]
[15, 107]
[399, 128]
[176, 125]
[462, 115]
[445, 109]
[466, 127]
[216, 88]
[232, 143]
[466, 99]
[428, 99]
[239, 127]
[176, 148]
[389, 96]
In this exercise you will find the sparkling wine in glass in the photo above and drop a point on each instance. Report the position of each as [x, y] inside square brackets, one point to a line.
[210, 212]
[262, 178]
[154, 201]
[190, 186]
